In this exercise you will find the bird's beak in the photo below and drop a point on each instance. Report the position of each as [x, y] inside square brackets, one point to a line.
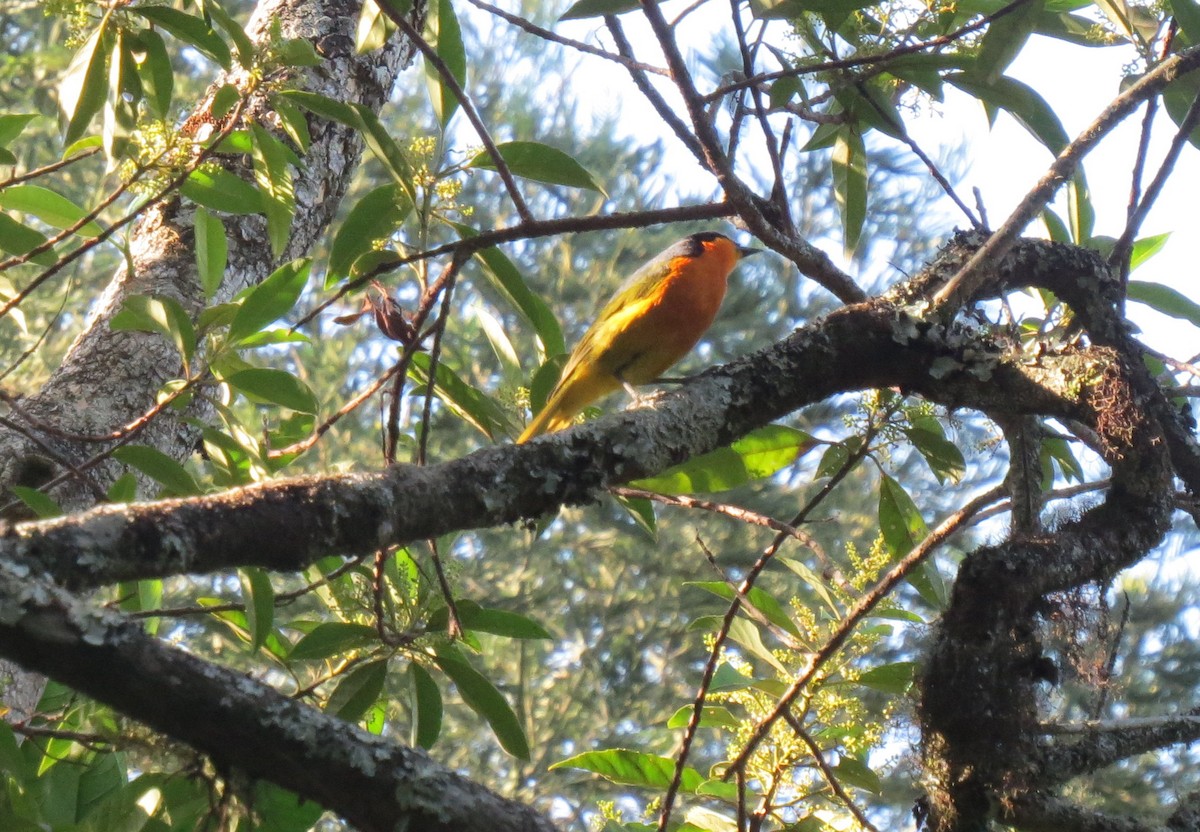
[744, 251]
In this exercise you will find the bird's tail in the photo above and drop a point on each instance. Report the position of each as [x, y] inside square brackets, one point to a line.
[554, 416]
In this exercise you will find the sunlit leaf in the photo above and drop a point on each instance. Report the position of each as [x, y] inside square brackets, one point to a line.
[757, 455]
[445, 36]
[895, 678]
[541, 163]
[49, 207]
[41, 503]
[1166, 300]
[899, 519]
[189, 29]
[471, 404]
[212, 251]
[82, 91]
[220, 190]
[270, 300]
[632, 768]
[375, 217]
[276, 386]
[850, 183]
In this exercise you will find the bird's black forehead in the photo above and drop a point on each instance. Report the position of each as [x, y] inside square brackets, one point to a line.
[693, 246]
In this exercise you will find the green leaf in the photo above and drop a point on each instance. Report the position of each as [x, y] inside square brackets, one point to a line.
[51, 208]
[276, 386]
[815, 583]
[895, 678]
[123, 489]
[292, 122]
[1080, 213]
[943, 456]
[486, 620]
[1146, 248]
[154, 68]
[376, 136]
[746, 633]
[477, 408]
[168, 473]
[19, 240]
[42, 504]
[12, 124]
[633, 768]
[373, 218]
[259, 597]
[358, 691]
[899, 519]
[712, 716]
[298, 52]
[426, 706]
[1005, 38]
[757, 455]
[1055, 450]
[541, 163]
[270, 300]
[856, 773]
[1186, 13]
[278, 810]
[641, 511]
[220, 190]
[763, 601]
[189, 29]
[274, 179]
[241, 41]
[212, 251]
[223, 102]
[483, 698]
[333, 638]
[374, 28]
[1166, 300]
[597, 8]
[445, 35]
[163, 315]
[1021, 102]
[850, 183]
[727, 679]
[82, 90]
[505, 278]
[1055, 227]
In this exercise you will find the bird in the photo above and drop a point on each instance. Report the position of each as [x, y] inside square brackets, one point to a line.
[653, 320]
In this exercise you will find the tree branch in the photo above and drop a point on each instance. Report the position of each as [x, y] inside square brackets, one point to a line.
[240, 723]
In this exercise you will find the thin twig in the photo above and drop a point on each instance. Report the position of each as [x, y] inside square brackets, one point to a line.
[554, 37]
[18, 178]
[435, 351]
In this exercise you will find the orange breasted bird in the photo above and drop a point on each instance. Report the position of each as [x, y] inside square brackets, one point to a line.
[655, 318]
